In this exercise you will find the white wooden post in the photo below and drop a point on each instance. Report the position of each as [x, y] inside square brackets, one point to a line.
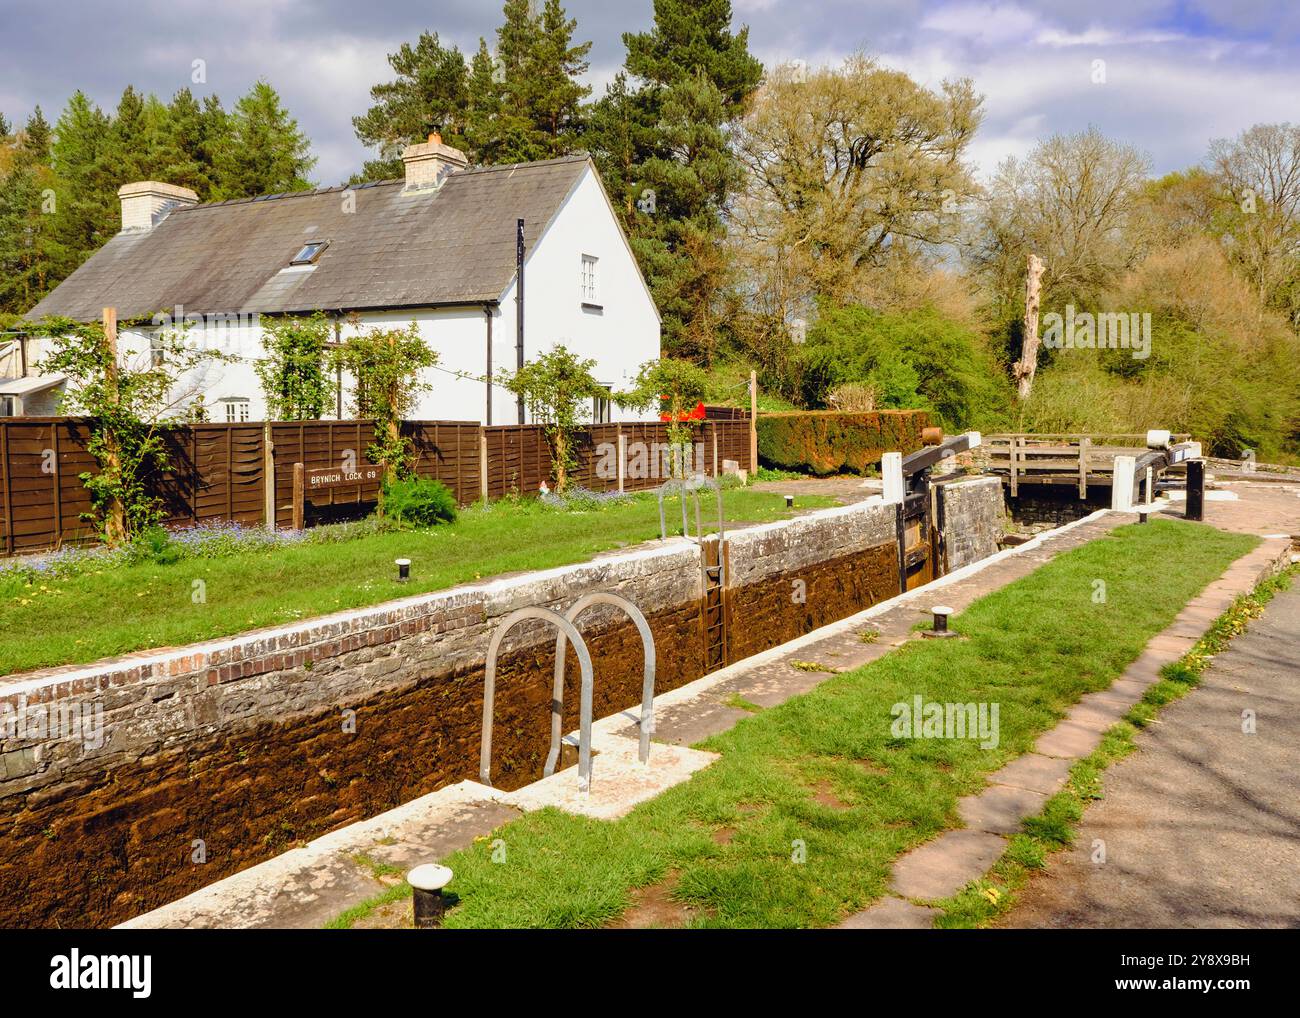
[1121, 480]
[891, 469]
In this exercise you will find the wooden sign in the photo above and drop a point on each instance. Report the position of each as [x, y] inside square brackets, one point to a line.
[324, 479]
[320, 480]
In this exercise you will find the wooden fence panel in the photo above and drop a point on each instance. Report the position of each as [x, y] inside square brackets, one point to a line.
[216, 471]
[518, 459]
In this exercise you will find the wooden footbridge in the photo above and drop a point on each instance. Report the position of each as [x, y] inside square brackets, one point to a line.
[1084, 461]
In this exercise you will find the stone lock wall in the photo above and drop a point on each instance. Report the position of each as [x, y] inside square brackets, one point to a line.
[219, 755]
[974, 520]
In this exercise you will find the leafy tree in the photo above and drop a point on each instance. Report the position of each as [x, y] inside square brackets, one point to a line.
[266, 152]
[916, 359]
[386, 366]
[557, 388]
[430, 93]
[674, 388]
[132, 399]
[292, 373]
[851, 171]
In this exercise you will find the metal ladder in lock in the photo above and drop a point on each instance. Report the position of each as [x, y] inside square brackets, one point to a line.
[713, 564]
[566, 631]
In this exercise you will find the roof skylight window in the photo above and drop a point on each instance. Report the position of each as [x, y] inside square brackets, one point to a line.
[309, 253]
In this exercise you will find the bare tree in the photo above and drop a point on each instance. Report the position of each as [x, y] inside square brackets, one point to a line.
[1076, 201]
[1260, 175]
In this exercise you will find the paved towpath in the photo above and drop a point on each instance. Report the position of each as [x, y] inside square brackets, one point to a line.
[1201, 826]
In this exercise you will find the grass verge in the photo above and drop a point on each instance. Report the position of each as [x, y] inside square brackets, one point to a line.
[983, 901]
[800, 821]
[118, 610]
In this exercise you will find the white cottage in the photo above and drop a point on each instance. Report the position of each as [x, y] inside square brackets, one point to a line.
[439, 248]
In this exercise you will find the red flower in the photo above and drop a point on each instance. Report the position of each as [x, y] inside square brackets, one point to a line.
[698, 414]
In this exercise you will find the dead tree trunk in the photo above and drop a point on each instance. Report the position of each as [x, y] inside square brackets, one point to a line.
[1028, 363]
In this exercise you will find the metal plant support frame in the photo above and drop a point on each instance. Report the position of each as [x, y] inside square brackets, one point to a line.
[647, 683]
[567, 629]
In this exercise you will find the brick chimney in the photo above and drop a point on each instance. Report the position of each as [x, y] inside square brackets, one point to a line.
[429, 163]
[146, 203]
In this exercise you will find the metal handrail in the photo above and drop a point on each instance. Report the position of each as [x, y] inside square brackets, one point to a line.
[647, 683]
[566, 628]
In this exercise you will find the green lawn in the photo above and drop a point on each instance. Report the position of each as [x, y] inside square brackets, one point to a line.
[87, 617]
[1034, 647]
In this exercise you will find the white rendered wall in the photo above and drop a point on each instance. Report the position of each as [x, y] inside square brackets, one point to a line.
[620, 335]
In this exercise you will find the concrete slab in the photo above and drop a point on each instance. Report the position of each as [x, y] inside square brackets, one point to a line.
[1000, 809]
[944, 866]
[1044, 774]
[1068, 740]
[892, 914]
[619, 781]
[1097, 714]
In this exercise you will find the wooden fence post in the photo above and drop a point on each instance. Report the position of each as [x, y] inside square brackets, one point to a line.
[753, 423]
[299, 495]
[58, 486]
[482, 465]
[230, 471]
[622, 458]
[268, 476]
[1084, 443]
[9, 494]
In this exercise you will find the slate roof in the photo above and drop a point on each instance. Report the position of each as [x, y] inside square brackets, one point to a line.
[449, 246]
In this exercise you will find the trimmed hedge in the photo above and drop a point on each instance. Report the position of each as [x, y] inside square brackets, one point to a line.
[827, 442]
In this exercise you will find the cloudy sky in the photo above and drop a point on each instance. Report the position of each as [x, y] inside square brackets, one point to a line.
[1176, 72]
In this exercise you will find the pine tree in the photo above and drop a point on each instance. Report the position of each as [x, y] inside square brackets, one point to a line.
[31, 257]
[179, 140]
[661, 144]
[513, 135]
[266, 152]
[557, 65]
[483, 108]
[429, 94]
[87, 204]
[521, 104]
